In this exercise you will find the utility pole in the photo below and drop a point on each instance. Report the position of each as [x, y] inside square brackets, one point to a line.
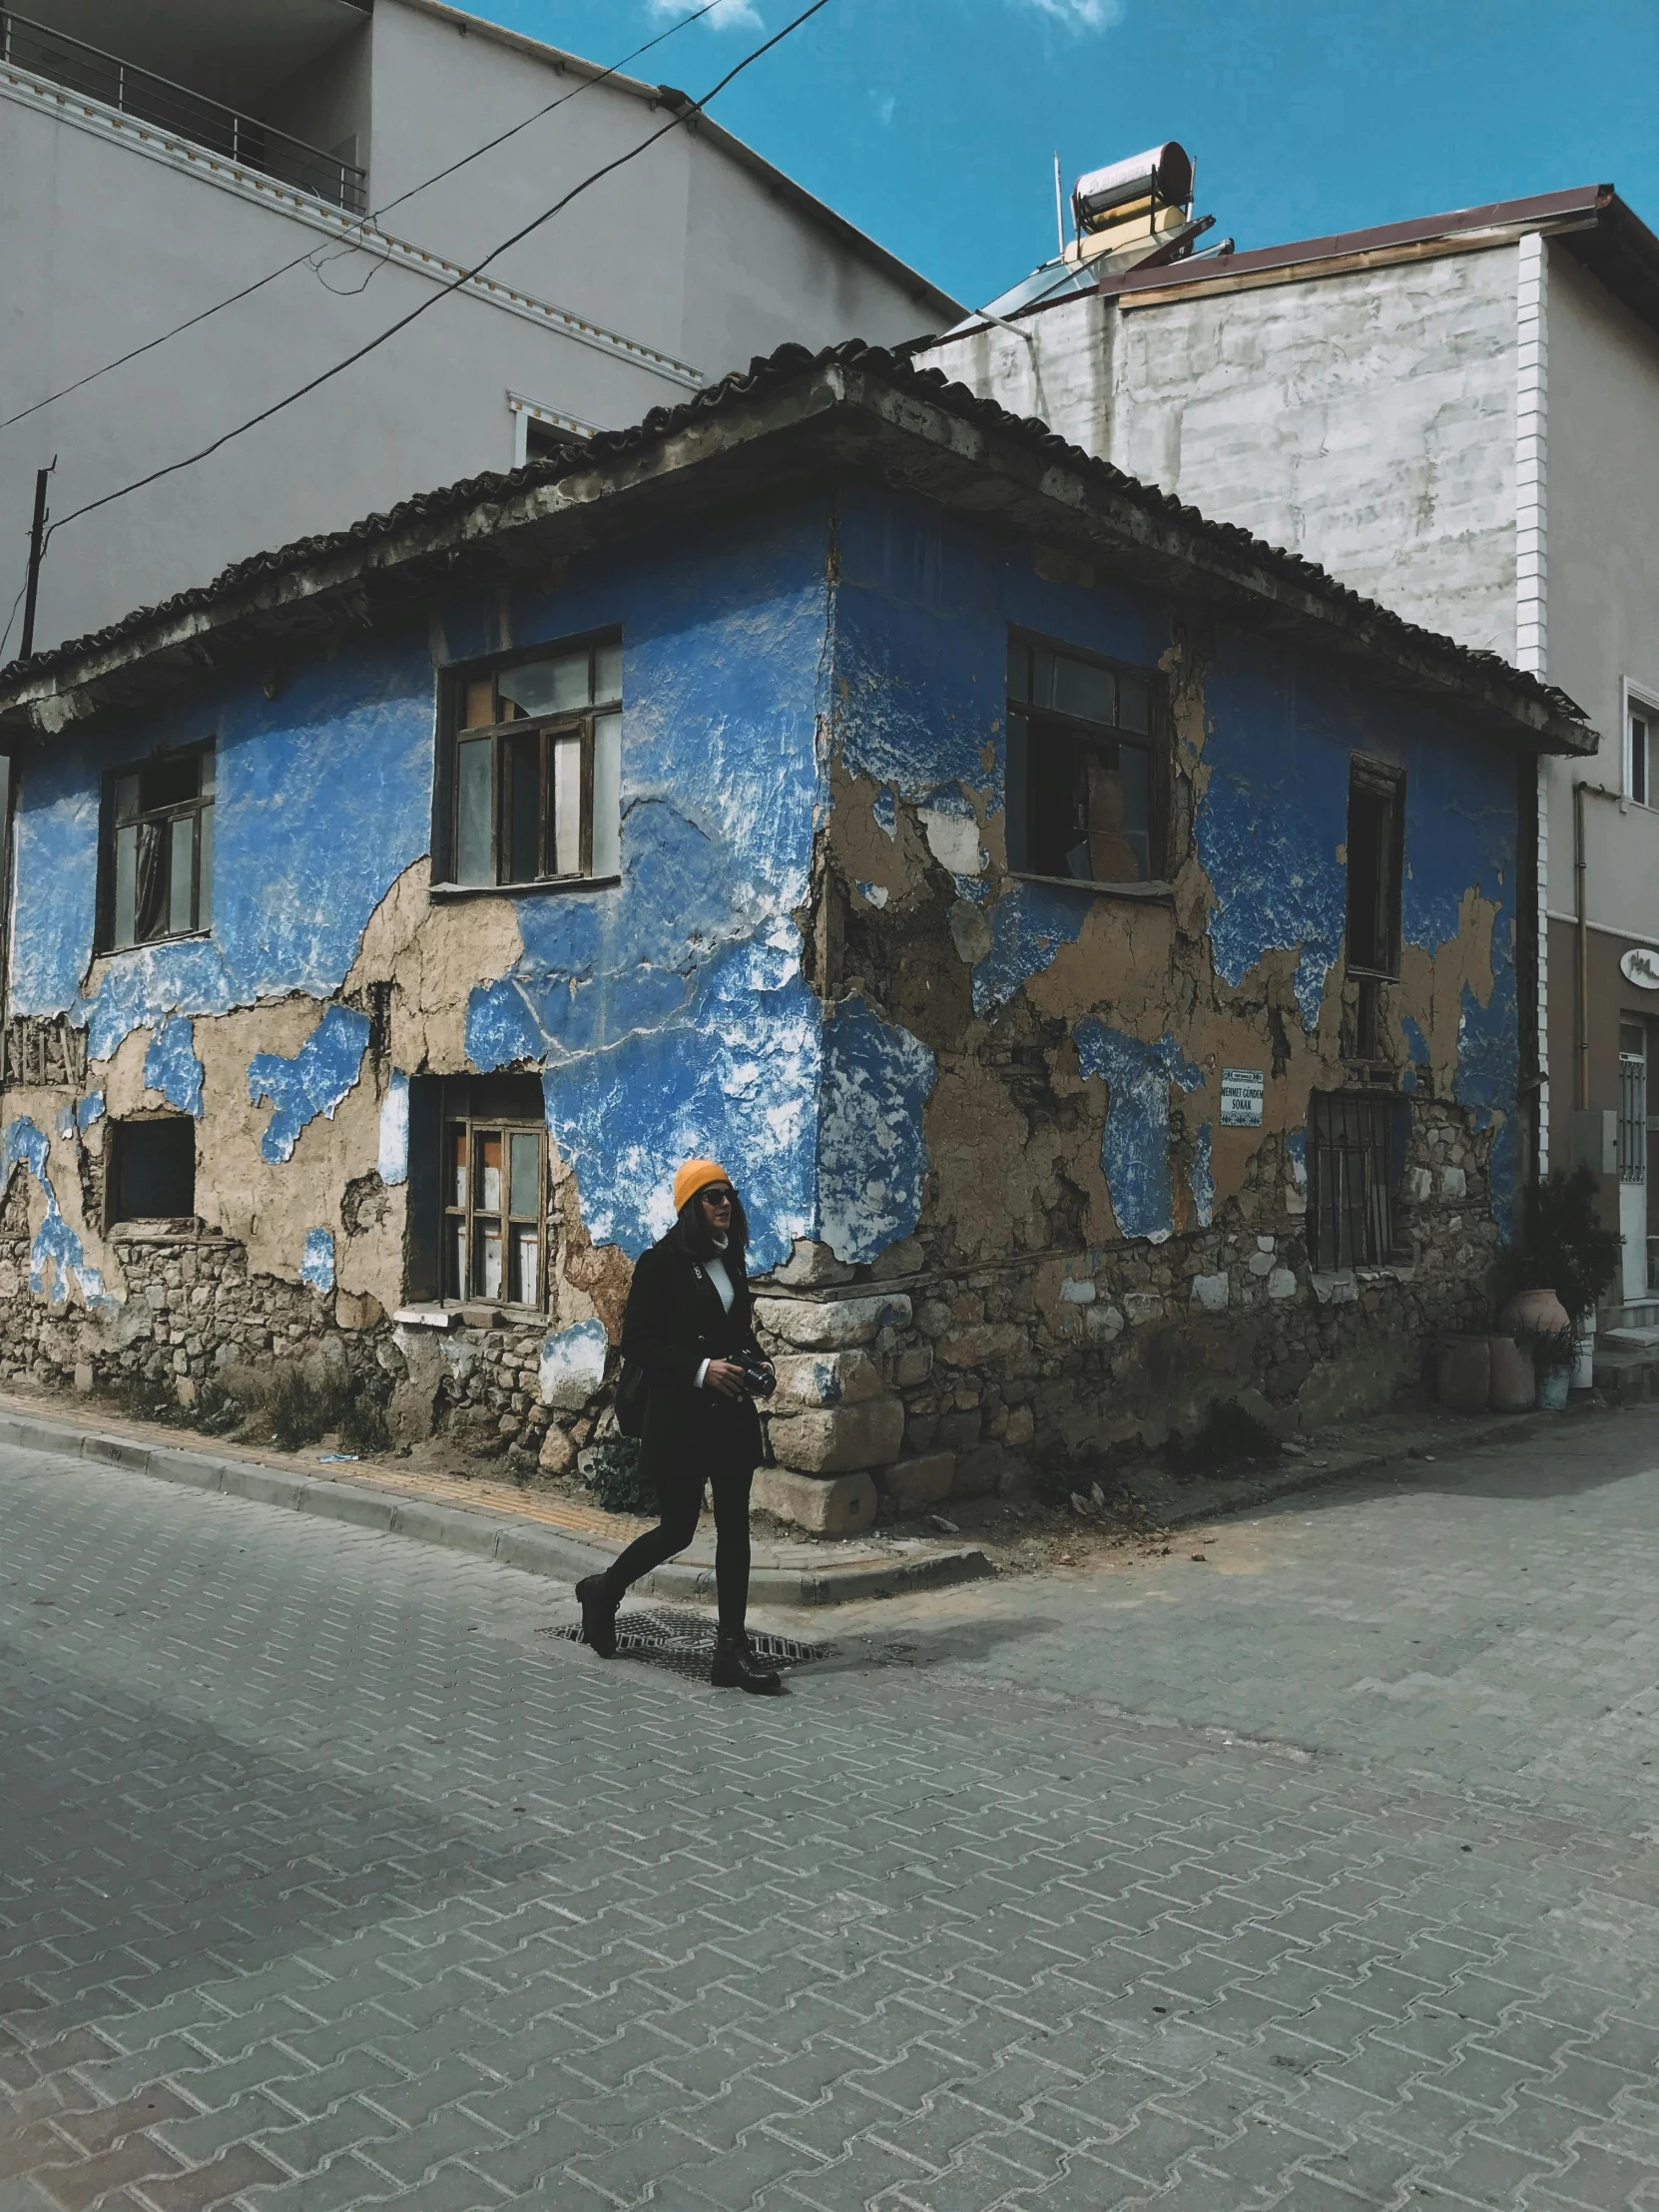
[37, 547]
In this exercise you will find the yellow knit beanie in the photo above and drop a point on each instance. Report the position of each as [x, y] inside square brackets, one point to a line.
[695, 1176]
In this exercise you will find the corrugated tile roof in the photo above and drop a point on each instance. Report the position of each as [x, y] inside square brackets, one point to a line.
[764, 373]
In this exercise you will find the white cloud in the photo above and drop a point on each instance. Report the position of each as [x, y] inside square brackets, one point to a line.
[738, 15]
[1081, 15]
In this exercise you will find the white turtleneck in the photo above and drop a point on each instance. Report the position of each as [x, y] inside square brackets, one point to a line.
[715, 1268]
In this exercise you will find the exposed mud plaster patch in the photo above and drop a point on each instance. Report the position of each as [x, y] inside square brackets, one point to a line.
[1029, 925]
[313, 1082]
[434, 952]
[572, 1365]
[871, 1145]
[90, 1109]
[1134, 1151]
[57, 1259]
[317, 1266]
[394, 1130]
[1121, 957]
[172, 1068]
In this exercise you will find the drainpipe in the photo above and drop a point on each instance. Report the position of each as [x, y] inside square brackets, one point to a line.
[1581, 919]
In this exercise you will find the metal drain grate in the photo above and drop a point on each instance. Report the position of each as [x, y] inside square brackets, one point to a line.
[685, 1642]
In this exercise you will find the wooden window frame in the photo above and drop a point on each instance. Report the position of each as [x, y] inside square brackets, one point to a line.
[1372, 780]
[458, 1113]
[201, 807]
[1080, 729]
[502, 733]
[118, 1171]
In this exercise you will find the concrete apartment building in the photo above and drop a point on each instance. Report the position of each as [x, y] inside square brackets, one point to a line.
[157, 155]
[1455, 416]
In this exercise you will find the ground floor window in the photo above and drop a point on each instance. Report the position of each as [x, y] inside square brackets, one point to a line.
[479, 1196]
[1356, 1150]
[151, 1169]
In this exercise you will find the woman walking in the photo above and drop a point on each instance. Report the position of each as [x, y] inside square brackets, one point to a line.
[688, 1325]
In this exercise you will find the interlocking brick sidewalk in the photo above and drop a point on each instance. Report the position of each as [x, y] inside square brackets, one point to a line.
[535, 1530]
[331, 1876]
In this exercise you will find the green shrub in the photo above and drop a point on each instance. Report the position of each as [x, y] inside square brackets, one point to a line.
[1563, 1247]
[301, 1408]
[614, 1474]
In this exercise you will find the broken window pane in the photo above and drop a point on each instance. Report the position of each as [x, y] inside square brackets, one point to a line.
[474, 796]
[182, 875]
[1081, 801]
[487, 1147]
[524, 1197]
[567, 806]
[126, 879]
[478, 704]
[522, 754]
[525, 1287]
[551, 687]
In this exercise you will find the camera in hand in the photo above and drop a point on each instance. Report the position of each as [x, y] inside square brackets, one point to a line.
[760, 1377]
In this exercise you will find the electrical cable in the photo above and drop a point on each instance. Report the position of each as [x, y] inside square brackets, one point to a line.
[683, 115]
[373, 215]
[6, 639]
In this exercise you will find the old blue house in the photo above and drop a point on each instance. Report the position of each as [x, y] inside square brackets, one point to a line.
[1095, 939]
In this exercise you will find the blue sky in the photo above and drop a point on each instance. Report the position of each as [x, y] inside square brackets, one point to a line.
[932, 124]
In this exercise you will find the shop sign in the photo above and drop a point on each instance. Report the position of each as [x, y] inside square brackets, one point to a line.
[1640, 966]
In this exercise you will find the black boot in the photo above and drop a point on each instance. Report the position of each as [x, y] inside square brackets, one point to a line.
[597, 1615]
[737, 1668]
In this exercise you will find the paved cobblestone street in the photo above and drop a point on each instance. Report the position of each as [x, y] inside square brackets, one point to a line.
[1319, 1873]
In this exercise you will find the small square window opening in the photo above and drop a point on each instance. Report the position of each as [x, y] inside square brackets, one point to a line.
[492, 1190]
[1084, 792]
[150, 1172]
[534, 765]
[156, 849]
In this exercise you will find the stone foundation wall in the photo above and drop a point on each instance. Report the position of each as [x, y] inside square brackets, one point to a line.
[900, 1378]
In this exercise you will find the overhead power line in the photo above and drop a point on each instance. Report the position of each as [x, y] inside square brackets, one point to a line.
[682, 116]
[372, 217]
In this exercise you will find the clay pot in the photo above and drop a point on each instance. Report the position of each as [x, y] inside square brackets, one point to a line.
[1466, 1373]
[1540, 1311]
[1513, 1383]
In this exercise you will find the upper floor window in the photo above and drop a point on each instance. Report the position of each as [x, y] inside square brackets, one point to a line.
[1085, 798]
[530, 783]
[1639, 751]
[1376, 863]
[156, 849]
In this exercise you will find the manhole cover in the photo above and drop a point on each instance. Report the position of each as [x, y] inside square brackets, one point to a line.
[685, 1641]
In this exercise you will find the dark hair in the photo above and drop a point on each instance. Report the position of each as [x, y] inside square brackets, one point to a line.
[692, 1229]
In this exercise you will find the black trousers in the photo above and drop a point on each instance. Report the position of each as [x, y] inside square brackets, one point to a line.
[679, 1502]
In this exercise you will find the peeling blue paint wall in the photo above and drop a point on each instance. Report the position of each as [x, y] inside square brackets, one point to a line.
[313, 1082]
[172, 1068]
[323, 797]
[1134, 1151]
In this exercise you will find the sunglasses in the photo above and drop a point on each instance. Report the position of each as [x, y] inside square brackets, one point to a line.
[720, 1195]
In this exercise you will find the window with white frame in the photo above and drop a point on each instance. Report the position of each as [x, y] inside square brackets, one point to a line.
[1641, 748]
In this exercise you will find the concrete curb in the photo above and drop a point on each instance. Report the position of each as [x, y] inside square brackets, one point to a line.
[475, 1529]
[1212, 1500]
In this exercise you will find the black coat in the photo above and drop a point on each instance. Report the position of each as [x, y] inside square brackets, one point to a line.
[674, 1322]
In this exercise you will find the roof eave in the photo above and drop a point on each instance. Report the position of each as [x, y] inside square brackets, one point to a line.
[829, 413]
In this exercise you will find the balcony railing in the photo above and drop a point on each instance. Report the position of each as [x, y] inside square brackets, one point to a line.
[191, 115]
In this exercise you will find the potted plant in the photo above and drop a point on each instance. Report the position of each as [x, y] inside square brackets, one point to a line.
[1549, 1352]
[1564, 1261]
